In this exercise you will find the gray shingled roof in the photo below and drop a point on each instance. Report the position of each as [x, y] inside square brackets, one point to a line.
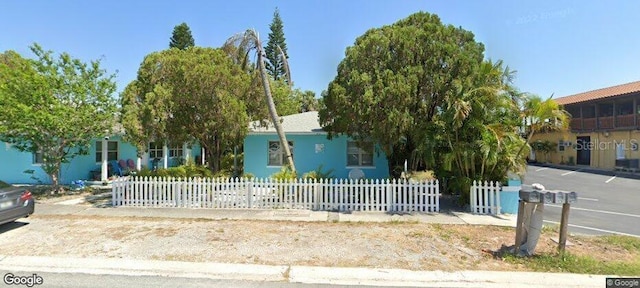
[306, 122]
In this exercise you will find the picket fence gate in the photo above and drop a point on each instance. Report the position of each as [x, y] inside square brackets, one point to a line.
[267, 193]
[485, 197]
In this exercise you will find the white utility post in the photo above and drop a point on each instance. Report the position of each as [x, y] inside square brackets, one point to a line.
[105, 165]
[202, 156]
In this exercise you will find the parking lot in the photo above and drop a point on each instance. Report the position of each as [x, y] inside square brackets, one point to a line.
[606, 204]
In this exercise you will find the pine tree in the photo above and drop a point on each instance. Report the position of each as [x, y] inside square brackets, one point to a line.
[275, 66]
[181, 37]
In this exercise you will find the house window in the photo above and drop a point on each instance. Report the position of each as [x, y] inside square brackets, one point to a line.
[561, 145]
[277, 156]
[357, 156]
[176, 152]
[38, 158]
[156, 150]
[112, 151]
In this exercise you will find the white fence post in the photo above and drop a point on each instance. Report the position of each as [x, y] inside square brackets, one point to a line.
[249, 193]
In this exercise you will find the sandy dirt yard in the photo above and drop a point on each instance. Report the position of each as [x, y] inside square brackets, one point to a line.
[412, 246]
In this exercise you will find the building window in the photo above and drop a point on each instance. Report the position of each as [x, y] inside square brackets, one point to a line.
[277, 156]
[112, 151]
[357, 156]
[156, 150]
[38, 158]
[176, 152]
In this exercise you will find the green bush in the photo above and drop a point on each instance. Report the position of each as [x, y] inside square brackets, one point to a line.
[190, 170]
[318, 174]
[284, 174]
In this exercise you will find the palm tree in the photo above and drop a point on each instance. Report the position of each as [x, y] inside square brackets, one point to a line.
[542, 116]
[246, 42]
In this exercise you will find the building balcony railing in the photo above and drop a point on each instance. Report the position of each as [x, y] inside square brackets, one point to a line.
[589, 123]
[620, 121]
[605, 122]
[625, 120]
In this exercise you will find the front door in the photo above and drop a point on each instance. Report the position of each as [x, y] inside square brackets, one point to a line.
[583, 149]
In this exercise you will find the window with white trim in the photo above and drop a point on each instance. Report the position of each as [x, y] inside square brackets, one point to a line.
[112, 151]
[357, 156]
[276, 155]
[156, 150]
[176, 152]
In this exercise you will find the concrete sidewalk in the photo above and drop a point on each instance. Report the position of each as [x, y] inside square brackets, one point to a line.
[297, 274]
[276, 215]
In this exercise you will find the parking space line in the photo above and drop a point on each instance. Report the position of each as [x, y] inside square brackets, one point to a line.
[571, 172]
[598, 211]
[588, 199]
[540, 169]
[595, 229]
[614, 177]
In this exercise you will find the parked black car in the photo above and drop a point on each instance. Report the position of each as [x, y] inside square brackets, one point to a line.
[15, 203]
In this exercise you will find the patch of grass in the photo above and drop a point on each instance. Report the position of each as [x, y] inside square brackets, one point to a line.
[443, 233]
[570, 263]
[628, 243]
[550, 228]
[415, 234]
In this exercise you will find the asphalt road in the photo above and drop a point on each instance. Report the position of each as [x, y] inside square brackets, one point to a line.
[77, 280]
[606, 204]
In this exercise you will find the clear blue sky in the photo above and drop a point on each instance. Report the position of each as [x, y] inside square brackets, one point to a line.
[561, 47]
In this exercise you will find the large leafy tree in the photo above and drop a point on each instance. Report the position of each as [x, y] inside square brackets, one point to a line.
[181, 37]
[423, 91]
[54, 105]
[194, 95]
[276, 48]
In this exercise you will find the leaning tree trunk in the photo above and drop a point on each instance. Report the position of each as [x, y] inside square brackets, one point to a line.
[272, 109]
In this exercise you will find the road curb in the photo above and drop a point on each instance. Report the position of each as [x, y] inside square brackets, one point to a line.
[132, 267]
[297, 274]
[409, 278]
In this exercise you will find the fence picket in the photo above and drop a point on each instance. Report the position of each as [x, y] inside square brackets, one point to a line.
[317, 194]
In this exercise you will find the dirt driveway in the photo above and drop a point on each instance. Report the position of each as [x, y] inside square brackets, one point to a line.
[415, 246]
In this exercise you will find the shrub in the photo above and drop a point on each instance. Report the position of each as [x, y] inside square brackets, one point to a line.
[284, 174]
[318, 174]
[421, 175]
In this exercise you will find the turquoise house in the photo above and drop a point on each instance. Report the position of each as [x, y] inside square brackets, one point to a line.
[310, 149]
[18, 167]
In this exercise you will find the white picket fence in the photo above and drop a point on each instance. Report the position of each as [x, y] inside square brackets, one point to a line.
[485, 197]
[265, 193]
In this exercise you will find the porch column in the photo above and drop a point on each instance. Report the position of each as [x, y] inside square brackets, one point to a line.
[105, 165]
[138, 164]
[202, 156]
[145, 159]
[165, 156]
[187, 152]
